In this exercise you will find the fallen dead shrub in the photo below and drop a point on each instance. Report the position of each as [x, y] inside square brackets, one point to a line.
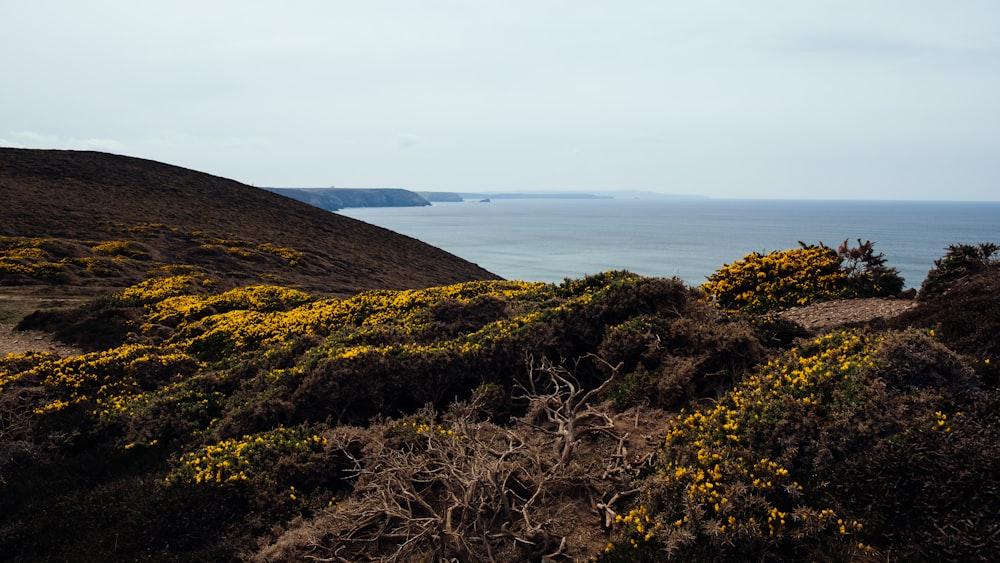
[452, 487]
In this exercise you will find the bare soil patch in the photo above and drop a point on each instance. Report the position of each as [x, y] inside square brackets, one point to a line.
[18, 302]
[19, 341]
[846, 311]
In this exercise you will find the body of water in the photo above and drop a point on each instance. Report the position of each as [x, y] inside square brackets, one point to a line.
[550, 240]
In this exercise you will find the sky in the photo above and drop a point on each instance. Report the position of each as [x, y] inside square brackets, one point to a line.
[845, 99]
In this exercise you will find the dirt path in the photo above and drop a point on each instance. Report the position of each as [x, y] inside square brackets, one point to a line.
[16, 302]
[835, 313]
[17, 342]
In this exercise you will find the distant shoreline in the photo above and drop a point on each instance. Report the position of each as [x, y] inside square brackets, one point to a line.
[455, 197]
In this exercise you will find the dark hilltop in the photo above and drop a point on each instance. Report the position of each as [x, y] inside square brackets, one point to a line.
[171, 215]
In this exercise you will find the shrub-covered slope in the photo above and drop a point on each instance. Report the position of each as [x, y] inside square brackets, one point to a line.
[89, 218]
[245, 396]
[614, 418]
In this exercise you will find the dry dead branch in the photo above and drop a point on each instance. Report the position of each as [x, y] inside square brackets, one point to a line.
[475, 491]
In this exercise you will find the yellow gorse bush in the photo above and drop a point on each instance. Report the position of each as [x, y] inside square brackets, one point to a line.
[24, 256]
[176, 397]
[244, 458]
[778, 280]
[246, 249]
[105, 377]
[157, 289]
[119, 248]
[253, 318]
[638, 530]
[781, 279]
[711, 486]
[178, 387]
[249, 318]
[51, 260]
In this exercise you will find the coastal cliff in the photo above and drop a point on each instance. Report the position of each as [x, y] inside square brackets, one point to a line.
[333, 199]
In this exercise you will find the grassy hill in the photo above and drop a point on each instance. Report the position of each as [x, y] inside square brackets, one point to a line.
[96, 219]
[611, 418]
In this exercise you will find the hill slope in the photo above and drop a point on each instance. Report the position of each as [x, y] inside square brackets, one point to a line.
[77, 200]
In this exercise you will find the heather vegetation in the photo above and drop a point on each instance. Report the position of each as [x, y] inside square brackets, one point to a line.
[609, 418]
[85, 222]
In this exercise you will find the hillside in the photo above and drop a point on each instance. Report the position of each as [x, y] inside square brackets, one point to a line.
[76, 210]
[614, 417]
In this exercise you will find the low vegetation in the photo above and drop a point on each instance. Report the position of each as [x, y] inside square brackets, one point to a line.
[90, 220]
[609, 418]
[780, 279]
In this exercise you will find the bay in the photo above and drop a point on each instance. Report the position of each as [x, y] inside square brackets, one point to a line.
[551, 240]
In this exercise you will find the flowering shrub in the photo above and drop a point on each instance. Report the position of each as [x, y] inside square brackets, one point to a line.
[247, 249]
[240, 409]
[250, 458]
[104, 378]
[124, 248]
[22, 257]
[781, 279]
[159, 288]
[13, 367]
[959, 262]
[724, 477]
[777, 280]
[175, 411]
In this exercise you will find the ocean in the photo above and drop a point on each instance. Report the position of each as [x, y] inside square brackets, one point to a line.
[550, 240]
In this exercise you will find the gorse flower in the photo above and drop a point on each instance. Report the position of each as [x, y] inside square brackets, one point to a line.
[244, 459]
[788, 278]
[712, 481]
[778, 280]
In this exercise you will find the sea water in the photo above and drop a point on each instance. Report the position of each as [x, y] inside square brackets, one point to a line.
[551, 240]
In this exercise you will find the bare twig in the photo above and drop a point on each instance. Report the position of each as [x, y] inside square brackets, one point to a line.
[475, 489]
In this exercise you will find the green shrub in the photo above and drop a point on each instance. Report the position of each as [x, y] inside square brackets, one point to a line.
[966, 318]
[670, 362]
[867, 274]
[959, 262]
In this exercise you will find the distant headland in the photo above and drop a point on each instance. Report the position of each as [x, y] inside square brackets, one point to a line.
[334, 199]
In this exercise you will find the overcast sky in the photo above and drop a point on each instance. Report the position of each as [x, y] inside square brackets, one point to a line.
[864, 99]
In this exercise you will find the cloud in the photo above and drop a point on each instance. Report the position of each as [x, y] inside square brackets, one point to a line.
[649, 139]
[854, 44]
[407, 141]
[107, 145]
[172, 140]
[11, 144]
[31, 139]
